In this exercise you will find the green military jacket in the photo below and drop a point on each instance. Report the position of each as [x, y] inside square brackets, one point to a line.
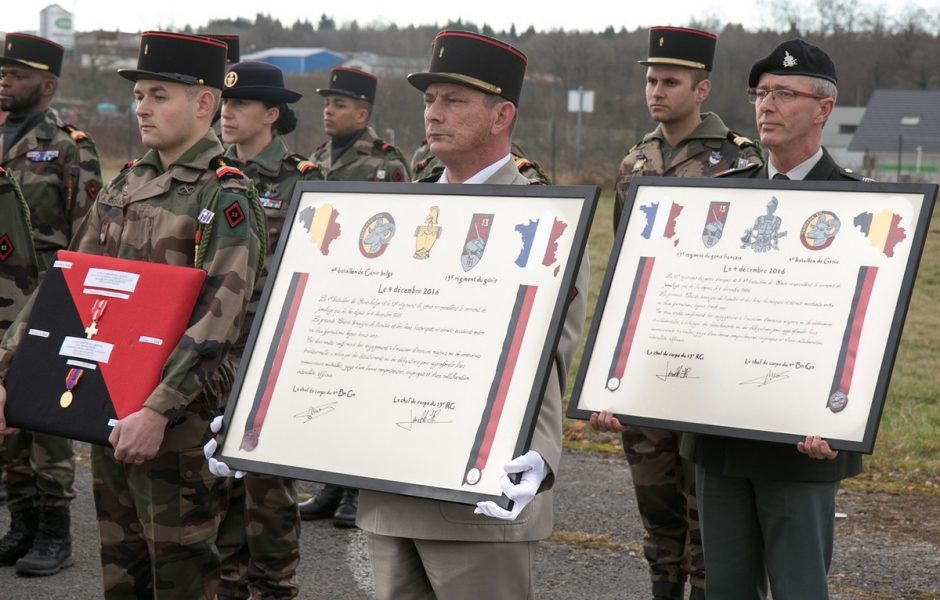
[19, 270]
[368, 159]
[710, 149]
[57, 168]
[156, 215]
[274, 171]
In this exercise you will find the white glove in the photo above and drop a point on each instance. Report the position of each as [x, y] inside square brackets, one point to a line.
[533, 469]
[217, 467]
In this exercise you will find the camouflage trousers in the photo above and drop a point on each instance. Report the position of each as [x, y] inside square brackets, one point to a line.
[665, 496]
[157, 524]
[259, 538]
[38, 470]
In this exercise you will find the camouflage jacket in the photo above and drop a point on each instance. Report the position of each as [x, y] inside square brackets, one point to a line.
[274, 172]
[710, 149]
[368, 159]
[151, 214]
[425, 165]
[19, 272]
[57, 168]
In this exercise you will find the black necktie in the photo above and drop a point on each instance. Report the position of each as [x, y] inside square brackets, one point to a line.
[780, 176]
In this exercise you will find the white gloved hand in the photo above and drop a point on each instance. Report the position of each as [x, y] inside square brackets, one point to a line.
[217, 467]
[533, 469]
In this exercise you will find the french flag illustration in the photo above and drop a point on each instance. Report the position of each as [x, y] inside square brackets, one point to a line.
[660, 219]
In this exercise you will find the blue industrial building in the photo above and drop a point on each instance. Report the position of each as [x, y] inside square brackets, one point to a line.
[298, 60]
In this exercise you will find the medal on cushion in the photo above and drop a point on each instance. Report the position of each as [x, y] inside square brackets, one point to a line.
[71, 380]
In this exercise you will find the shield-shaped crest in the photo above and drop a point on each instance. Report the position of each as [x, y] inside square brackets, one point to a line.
[715, 223]
[477, 235]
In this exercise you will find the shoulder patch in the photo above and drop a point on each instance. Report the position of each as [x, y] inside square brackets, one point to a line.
[76, 134]
[234, 214]
[224, 170]
[383, 147]
[302, 164]
[739, 140]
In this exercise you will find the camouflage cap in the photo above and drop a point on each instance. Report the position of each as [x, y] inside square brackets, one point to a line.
[32, 51]
[354, 83]
[681, 47]
[186, 59]
[794, 57]
[475, 61]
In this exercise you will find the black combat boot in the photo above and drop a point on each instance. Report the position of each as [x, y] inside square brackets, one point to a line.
[323, 505]
[345, 515]
[17, 542]
[52, 548]
[668, 590]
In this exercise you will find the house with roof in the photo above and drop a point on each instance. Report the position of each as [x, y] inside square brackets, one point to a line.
[899, 136]
[298, 60]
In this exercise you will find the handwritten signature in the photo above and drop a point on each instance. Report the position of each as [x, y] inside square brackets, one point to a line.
[770, 377]
[426, 417]
[315, 411]
[680, 372]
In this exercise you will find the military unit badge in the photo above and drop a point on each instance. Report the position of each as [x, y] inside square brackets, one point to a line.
[477, 235]
[715, 223]
[376, 234]
[6, 247]
[427, 234]
[765, 233]
[819, 230]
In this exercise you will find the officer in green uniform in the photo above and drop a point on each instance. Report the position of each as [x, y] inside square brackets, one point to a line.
[768, 509]
[157, 504]
[259, 539]
[57, 169]
[353, 153]
[685, 143]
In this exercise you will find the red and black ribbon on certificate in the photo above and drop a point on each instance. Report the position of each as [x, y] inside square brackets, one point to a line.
[273, 362]
[499, 388]
[641, 282]
[845, 367]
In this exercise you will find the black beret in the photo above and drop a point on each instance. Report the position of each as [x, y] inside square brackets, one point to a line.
[255, 80]
[351, 82]
[681, 47]
[186, 59]
[32, 51]
[232, 55]
[794, 57]
[476, 61]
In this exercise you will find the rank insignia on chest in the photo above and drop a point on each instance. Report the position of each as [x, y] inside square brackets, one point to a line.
[269, 190]
[274, 203]
[205, 216]
[714, 158]
[42, 155]
[234, 214]
[185, 189]
[640, 163]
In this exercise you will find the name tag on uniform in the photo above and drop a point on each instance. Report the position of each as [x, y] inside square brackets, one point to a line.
[275, 203]
[42, 155]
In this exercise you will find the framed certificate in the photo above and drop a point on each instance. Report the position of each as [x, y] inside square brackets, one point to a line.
[755, 309]
[406, 335]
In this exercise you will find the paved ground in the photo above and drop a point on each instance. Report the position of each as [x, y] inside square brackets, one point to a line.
[887, 548]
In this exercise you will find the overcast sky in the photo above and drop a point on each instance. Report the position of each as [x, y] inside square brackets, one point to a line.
[128, 15]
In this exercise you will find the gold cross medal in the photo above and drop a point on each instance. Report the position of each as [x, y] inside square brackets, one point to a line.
[71, 380]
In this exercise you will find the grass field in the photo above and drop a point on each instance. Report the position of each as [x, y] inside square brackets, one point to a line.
[907, 450]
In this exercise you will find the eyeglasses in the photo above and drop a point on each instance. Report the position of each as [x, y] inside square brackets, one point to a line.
[782, 95]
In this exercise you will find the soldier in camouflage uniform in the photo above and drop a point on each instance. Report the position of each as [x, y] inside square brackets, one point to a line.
[426, 166]
[686, 143]
[57, 169]
[259, 539]
[353, 153]
[157, 504]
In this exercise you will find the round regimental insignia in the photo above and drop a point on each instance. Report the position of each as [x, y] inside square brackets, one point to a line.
[473, 476]
[819, 230]
[837, 401]
[376, 234]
